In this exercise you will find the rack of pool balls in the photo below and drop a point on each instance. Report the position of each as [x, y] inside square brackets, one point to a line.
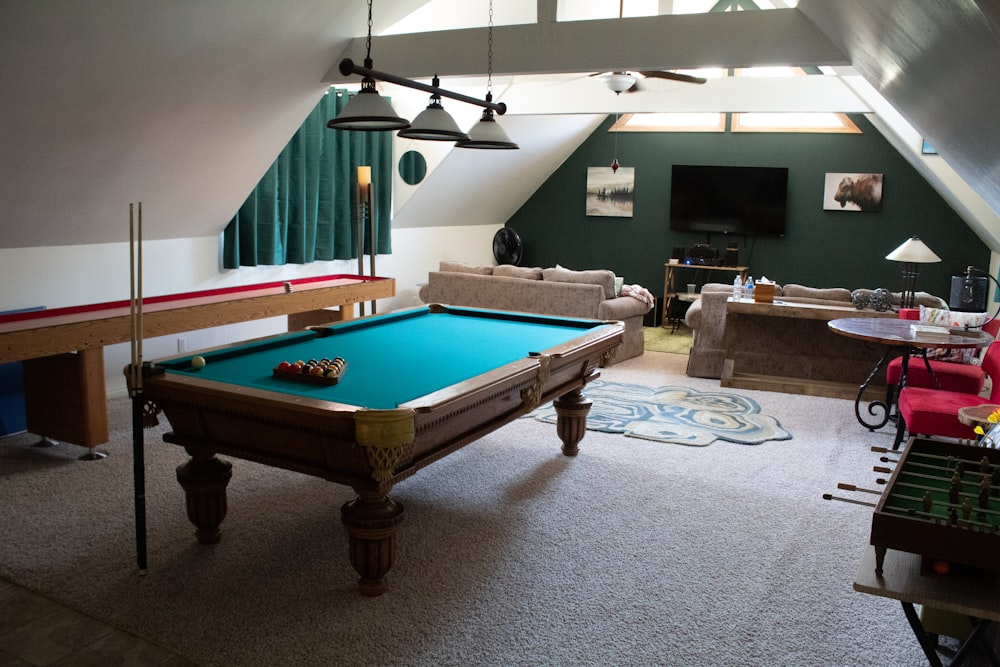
[323, 371]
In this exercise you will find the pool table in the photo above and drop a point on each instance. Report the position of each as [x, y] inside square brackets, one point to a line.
[418, 385]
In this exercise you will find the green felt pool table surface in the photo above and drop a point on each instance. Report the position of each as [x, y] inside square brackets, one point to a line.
[392, 359]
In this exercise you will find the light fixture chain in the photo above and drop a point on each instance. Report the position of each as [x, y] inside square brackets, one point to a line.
[489, 54]
[368, 43]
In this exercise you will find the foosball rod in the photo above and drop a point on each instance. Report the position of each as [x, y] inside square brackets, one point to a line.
[942, 519]
[850, 487]
[830, 496]
[971, 496]
[949, 457]
[972, 470]
[948, 504]
[970, 473]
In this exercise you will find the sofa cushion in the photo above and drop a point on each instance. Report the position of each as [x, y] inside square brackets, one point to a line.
[825, 294]
[511, 271]
[458, 267]
[602, 277]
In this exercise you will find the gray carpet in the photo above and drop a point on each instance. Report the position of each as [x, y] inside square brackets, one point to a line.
[633, 553]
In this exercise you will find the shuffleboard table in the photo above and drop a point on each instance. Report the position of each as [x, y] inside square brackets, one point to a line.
[417, 385]
[68, 343]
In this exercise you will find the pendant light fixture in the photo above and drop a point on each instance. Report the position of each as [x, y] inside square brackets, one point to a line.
[434, 123]
[619, 82]
[368, 111]
[487, 133]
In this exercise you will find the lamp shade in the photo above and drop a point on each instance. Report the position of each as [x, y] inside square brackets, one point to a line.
[913, 251]
[368, 112]
[487, 134]
[434, 124]
[619, 82]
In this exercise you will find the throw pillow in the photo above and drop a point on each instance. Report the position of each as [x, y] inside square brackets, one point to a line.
[827, 294]
[511, 271]
[458, 267]
[951, 318]
[602, 277]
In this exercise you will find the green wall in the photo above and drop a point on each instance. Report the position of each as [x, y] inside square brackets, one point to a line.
[821, 248]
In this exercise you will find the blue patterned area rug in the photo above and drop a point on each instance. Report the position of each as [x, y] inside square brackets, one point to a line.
[674, 414]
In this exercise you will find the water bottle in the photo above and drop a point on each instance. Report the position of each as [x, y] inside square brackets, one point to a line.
[737, 288]
[748, 288]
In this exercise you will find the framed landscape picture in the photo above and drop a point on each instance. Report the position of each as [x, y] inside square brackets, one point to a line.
[852, 192]
[609, 193]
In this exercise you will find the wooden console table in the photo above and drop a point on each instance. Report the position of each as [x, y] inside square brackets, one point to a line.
[670, 292]
[796, 354]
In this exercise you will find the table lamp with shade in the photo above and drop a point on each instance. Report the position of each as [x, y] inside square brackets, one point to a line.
[912, 253]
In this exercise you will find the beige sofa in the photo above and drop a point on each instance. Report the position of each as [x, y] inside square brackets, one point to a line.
[707, 319]
[555, 291]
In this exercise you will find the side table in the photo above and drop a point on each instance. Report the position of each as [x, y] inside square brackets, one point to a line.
[670, 291]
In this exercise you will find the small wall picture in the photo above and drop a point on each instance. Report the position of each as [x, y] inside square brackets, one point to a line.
[853, 192]
[609, 193]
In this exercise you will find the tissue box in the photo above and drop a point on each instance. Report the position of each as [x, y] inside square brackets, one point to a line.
[763, 292]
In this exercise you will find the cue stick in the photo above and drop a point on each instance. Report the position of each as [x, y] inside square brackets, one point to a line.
[131, 289]
[138, 279]
[828, 496]
[371, 235]
[138, 434]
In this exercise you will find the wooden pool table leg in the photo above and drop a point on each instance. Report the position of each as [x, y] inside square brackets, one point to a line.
[571, 420]
[371, 521]
[204, 479]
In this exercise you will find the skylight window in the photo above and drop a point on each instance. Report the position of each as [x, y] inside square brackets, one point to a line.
[671, 122]
[817, 122]
[589, 10]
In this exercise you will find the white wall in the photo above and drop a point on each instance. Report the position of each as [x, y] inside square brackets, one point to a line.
[74, 275]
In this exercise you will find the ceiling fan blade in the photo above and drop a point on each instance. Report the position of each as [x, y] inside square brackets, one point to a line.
[673, 76]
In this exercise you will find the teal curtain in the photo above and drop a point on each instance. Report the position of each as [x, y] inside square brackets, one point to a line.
[303, 209]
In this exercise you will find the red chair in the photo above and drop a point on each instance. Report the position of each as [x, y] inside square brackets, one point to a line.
[933, 374]
[935, 411]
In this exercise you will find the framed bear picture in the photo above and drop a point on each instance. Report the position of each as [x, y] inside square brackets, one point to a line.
[852, 192]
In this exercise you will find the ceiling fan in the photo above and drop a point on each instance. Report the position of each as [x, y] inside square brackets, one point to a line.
[628, 82]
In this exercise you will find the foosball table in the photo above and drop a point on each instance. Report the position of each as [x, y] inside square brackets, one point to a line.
[942, 502]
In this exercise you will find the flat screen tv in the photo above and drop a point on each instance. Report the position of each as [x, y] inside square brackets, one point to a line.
[729, 200]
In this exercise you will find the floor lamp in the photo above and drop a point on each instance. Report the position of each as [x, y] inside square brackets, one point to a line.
[366, 211]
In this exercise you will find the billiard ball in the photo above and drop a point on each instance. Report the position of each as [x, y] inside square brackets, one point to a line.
[197, 362]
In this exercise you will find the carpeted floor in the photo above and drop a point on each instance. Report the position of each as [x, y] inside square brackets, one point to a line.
[659, 339]
[632, 553]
